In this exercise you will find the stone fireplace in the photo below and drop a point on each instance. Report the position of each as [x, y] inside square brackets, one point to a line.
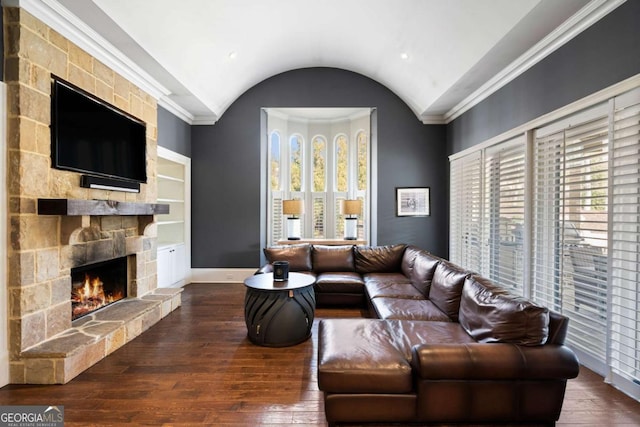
[56, 226]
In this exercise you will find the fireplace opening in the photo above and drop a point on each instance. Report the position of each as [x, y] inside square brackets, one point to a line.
[97, 285]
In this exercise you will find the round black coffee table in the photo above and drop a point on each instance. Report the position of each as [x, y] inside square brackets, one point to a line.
[279, 314]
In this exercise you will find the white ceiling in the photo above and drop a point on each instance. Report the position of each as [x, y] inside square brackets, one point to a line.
[199, 56]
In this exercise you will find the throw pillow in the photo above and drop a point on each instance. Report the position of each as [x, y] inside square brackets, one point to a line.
[491, 314]
[298, 256]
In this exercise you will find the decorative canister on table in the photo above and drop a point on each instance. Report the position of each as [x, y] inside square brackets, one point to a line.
[281, 271]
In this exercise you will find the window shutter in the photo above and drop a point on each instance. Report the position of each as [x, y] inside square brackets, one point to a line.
[466, 212]
[625, 236]
[319, 207]
[504, 198]
[276, 223]
[571, 232]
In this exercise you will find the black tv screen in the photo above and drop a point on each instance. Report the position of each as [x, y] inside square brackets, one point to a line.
[90, 136]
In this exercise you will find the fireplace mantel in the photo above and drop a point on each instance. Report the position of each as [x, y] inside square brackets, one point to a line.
[78, 207]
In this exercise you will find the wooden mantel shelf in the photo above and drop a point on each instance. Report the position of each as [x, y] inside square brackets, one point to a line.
[77, 207]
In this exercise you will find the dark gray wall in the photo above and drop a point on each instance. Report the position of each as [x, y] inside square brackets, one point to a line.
[602, 55]
[173, 133]
[226, 165]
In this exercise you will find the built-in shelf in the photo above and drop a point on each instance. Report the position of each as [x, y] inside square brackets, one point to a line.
[170, 222]
[170, 178]
[174, 234]
[78, 207]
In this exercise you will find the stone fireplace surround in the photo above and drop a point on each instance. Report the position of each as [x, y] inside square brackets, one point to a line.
[88, 239]
[45, 346]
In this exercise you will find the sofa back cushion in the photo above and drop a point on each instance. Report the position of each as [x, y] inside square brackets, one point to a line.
[332, 258]
[298, 256]
[419, 265]
[378, 259]
[446, 288]
[491, 314]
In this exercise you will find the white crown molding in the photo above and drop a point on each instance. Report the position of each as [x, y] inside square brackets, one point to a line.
[433, 120]
[204, 120]
[582, 104]
[184, 115]
[60, 19]
[175, 109]
[586, 17]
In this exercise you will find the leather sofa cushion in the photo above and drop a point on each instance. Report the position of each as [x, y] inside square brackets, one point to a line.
[409, 333]
[419, 265]
[378, 259]
[299, 256]
[410, 309]
[358, 356]
[340, 282]
[332, 258]
[394, 285]
[491, 314]
[446, 288]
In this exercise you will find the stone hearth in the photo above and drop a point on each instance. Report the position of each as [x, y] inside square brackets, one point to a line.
[95, 336]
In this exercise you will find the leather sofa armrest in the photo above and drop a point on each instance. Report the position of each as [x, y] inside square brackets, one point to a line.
[267, 268]
[479, 361]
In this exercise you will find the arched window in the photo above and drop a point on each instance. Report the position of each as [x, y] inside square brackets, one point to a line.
[321, 161]
[319, 164]
[342, 163]
[363, 159]
[274, 162]
[295, 163]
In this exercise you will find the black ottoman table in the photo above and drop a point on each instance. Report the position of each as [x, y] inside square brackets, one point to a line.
[279, 314]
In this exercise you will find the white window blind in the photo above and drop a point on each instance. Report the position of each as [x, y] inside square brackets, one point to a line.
[504, 204]
[465, 239]
[625, 244]
[583, 235]
[571, 229]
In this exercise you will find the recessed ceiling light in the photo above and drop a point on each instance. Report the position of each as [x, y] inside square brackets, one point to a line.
[233, 54]
[404, 56]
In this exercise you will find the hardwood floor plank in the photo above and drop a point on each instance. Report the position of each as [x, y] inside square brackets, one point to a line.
[197, 367]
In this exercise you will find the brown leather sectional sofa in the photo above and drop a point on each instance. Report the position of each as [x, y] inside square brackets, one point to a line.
[443, 345]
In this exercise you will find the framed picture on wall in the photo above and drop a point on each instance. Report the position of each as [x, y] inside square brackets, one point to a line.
[412, 201]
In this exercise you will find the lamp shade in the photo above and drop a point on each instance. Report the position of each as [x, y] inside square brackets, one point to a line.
[351, 207]
[292, 207]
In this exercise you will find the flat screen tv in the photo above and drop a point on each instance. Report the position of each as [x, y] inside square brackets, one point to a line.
[91, 136]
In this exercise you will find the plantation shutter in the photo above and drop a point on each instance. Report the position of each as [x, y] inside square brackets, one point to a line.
[319, 207]
[571, 228]
[625, 236]
[466, 212]
[504, 199]
[276, 224]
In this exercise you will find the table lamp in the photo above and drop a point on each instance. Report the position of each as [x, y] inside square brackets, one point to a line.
[351, 208]
[294, 208]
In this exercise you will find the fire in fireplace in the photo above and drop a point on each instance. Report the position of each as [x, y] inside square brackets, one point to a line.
[97, 285]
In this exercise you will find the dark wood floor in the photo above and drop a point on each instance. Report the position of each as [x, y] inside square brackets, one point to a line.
[196, 367]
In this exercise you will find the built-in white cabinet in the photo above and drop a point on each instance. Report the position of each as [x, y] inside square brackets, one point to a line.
[174, 229]
[172, 271]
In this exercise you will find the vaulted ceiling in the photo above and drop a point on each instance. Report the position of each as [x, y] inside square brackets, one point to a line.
[440, 56]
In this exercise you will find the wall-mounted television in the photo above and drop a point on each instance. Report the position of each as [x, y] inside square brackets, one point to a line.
[93, 137]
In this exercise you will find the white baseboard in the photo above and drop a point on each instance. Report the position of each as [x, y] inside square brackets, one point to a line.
[221, 275]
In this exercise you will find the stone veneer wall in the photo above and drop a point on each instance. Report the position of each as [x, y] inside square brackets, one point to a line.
[42, 249]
